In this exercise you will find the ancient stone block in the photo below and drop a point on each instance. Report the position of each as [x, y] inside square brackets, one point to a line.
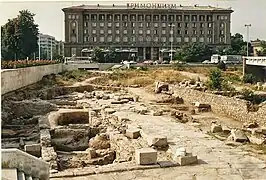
[33, 149]
[216, 128]
[132, 133]
[146, 156]
[187, 160]
[226, 129]
[239, 136]
[157, 141]
[91, 152]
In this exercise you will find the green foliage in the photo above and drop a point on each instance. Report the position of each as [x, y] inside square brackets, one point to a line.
[19, 37]
[249, 78]
[193, 52]
[262, 52]
[221, 65]
[232, 78]
[249, 95]
[76, 75]
[215, 79]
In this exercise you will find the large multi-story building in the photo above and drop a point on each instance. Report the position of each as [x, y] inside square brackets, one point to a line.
[47, 44]
[146, 27]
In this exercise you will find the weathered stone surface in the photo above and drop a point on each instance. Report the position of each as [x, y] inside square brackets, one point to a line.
[157, 113]
[33, 149]
[251, 125]
[226, 129]
[132, 133]
[239, 136]
[257, 139]
[91, 152]
[109, 110]
[187, 160]
[170, 99]
[100, 141]
[146, 156]
[216, 128]
[45, 137]
[179, 152]
[157, 141]
[160, 86]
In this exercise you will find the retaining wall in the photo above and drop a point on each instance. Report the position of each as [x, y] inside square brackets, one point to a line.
[232, 107]
[13, 79]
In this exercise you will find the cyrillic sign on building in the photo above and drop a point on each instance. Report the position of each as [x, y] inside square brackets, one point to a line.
[151, 6]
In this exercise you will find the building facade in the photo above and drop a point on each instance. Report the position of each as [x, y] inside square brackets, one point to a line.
[146, 27]
[48, 44]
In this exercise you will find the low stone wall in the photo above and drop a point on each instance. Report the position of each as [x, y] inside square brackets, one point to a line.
[232, 107]
[13, 79]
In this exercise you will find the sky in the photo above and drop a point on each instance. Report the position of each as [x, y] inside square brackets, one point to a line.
[50, 17]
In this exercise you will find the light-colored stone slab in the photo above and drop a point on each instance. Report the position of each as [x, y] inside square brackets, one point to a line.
[187, 160]
[33, 149]
[157, 141]
[132, 133]
[9, 174]
[146, 156]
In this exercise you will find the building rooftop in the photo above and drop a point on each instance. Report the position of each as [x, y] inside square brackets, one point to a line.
[146, 6]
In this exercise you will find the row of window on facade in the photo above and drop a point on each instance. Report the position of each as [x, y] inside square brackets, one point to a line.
[149, 39]
[134, 17]
[141, 24]
[140, 32]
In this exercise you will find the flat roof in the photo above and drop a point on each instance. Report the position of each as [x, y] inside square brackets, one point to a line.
[146, 6]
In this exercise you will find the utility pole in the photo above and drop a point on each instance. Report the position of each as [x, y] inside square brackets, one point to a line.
[244, 59]
[172, 39]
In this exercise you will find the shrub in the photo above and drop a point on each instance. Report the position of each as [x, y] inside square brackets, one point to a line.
[215, 79]
[249, 78]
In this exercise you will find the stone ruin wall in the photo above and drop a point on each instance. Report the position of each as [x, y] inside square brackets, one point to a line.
[232, 107]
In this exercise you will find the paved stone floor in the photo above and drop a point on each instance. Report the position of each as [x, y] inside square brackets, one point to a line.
[216, 160]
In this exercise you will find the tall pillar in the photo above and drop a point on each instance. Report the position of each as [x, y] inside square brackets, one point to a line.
[151, 53]
[28, 177]
[144, 53]
[21, 175]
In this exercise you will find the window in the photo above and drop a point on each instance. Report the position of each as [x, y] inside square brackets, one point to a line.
[85, 38]
[94, 24]
[101, 24]
[194, 39]
[148, 38]
[148, 24]
[179, 25]
[186, 39]
[186, 25]
[209, 25]
[218, 17]
[85, 31]
[133, 24]
[140, 38]
[163, 39]
[148, 31]
[178, 39]
[163, 31]
[125, 39]
[171, 32]
[225, 17]
[94, 17]
[209, 17]
[171, 39]
[202, 25]
[222, 25]
[109, 25]
[156, 39]
[125, 31]
[194, 32]
[163, 17]
[124, 24]
[117, 31]
[178, 31]
[209, 40]
[155, 31]
[156, 18]
[194, 17]
[94, 39]
[73, 51]
[140, 17]
[171, 17]
[101, 31]
[201, 39]
[109, 17]
[117, 17]
[148, 17]
[133, 39]
[73, 24]
[221, 32]
[140, 24]
[109, 31]
[109, 38]
[186, 17]
[73, 16]
[202, 18]
[101, 39]
[132, 17]
[186, 31]
[93, 31]
[209, 32]
[194, 25]
[69, 16]
[179, 17]
[140, 31]
[102, 17]
[117, 24]
[133, 31]
[125, 17]
[221, 39]
[86, 24]
[163, 24]
[201, 32]
[117, 39]
[155, 24]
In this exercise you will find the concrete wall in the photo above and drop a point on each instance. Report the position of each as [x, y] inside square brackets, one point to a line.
[232, 107]
[13, 79]
[258, 71]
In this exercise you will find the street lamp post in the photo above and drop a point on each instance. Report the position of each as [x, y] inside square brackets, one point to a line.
[244, 59]
[39, 46]
[172, 39]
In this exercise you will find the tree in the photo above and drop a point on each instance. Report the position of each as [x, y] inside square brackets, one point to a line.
[262, 52]
[193, 52]
[215, 79]
[19, 36]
